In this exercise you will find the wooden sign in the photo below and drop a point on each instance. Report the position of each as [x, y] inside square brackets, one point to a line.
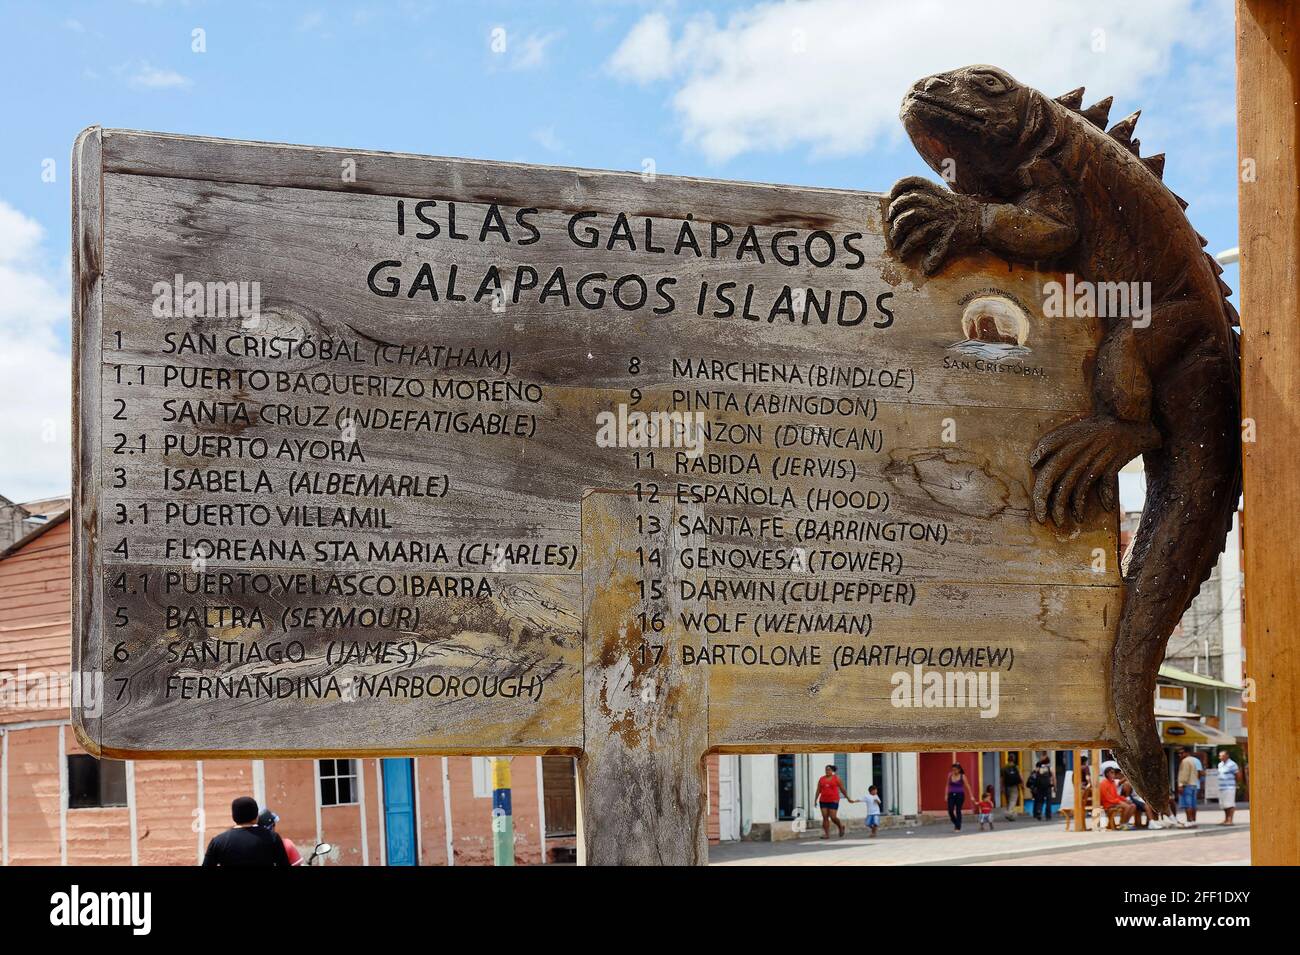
[388, 454]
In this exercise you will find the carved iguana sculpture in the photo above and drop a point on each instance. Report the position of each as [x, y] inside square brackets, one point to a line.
[1041, 181]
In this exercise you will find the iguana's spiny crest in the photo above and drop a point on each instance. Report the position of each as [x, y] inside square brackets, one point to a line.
[1122, 132]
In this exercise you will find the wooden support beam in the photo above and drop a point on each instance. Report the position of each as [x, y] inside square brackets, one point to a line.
[1268, 88]
[642, 789]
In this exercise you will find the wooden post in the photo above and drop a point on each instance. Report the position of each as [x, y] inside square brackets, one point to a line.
[1268, 84]
[645, 715]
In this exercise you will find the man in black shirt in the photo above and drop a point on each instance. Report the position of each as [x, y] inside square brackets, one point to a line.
[247, 844]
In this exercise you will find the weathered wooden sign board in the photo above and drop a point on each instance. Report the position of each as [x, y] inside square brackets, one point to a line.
[388, 454]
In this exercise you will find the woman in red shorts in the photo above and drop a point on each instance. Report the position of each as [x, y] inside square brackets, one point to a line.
[829, 788]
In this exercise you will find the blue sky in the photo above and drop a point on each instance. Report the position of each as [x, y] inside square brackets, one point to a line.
[802, 93]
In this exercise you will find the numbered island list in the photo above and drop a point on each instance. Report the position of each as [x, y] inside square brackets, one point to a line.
[391, 473]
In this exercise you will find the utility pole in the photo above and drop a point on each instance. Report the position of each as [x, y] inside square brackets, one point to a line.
[503, 823]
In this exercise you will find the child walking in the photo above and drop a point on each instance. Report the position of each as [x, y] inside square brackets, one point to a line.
[985, 808]
[872, 799]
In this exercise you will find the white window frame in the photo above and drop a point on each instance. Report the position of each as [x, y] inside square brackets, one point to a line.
[336, 776]
[482, 772]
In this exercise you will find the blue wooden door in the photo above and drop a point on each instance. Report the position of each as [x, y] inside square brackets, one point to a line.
[399, 811]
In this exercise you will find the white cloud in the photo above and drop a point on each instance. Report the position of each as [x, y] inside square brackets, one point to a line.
[35, 376]
[19, 236]
[829, 74]
[646, 53]
[145, 77]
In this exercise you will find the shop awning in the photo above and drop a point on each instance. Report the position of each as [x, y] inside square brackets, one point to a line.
[1194, 679]
[1193, 733]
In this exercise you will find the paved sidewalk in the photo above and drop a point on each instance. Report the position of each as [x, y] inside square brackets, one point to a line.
[1017, 842]
[1225, 849]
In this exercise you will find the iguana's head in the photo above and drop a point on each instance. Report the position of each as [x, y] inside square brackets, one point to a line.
[975, 124]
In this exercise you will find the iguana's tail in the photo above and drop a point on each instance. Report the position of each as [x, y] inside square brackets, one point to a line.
[1193, 486]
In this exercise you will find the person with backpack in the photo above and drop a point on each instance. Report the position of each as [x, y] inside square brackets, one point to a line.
[1012, 786]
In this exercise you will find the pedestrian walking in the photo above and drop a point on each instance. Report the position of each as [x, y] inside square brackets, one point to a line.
[829, 789]
[985, 808]
[1190, 771]
[958, 790]
[1042, 786]
[1012, 786]
[872, 799]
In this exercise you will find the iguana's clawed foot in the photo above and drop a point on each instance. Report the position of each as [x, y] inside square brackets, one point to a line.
[924, 216]
[1083, 454]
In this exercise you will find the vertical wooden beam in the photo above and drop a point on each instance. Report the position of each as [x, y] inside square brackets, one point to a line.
[641, 776]
[87, 337]
[1268, 86]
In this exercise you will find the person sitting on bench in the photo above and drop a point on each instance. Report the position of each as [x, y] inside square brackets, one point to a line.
[1141, 818]
[1112, 801]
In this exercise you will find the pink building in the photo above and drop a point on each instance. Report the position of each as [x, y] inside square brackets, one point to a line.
[60, 806]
